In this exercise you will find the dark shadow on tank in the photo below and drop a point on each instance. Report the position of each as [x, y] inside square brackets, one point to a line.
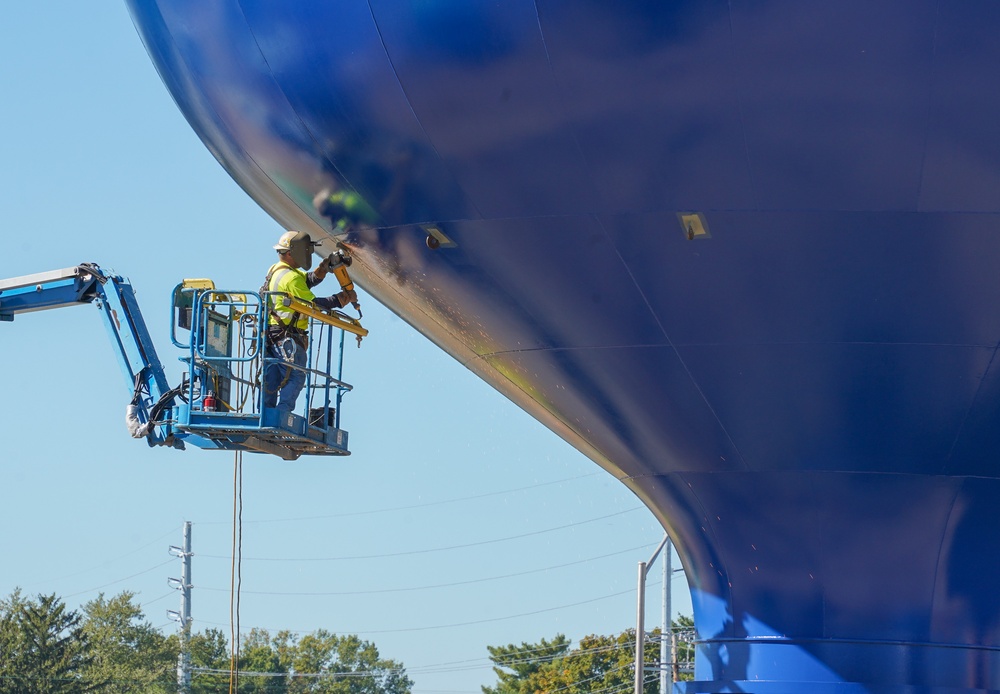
[728, 654]
[973, 575]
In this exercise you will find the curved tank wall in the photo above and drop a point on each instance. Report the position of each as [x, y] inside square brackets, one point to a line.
[742, 254]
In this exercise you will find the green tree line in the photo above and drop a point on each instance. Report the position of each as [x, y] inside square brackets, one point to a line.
[109, 646]
[599, 664]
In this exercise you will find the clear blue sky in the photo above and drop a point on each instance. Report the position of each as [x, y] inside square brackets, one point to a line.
[449, 483]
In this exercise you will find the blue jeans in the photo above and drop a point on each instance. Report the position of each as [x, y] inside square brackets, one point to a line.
[282, 384]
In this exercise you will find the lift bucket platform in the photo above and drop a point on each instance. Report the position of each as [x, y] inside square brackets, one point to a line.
[221, 404]
[285, 435]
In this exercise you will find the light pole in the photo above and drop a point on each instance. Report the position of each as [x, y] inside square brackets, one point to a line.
[640, 627]
[666, 632]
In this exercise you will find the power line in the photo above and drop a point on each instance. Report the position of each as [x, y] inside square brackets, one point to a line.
[429, 587]
[150, 602]
[599, 675]
[91, 590]
[456, 624]
[434, 549]
[622, 687]
[550, 658]
[423, 670]
[482, 663]
[488, 660]
[294, 675]
[106, 563]
[410, 507]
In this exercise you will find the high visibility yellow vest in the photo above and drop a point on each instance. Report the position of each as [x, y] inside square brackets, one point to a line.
[291, 281]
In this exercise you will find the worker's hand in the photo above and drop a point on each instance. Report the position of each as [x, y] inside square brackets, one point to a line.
[323, 268]
[346, 297]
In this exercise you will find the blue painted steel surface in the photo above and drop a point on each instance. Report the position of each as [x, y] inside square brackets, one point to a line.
[807, 398]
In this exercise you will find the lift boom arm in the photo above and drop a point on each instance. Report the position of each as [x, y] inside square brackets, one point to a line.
[114, 296]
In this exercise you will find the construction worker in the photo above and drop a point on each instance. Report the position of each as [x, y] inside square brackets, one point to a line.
[287, 336]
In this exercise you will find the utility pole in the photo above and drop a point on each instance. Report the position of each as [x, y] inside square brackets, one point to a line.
[640, 619]
[184, 615]
[666, 631]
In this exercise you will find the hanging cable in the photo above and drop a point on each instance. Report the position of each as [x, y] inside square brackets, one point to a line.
[235, 575]
[239, 554]
[232, 585]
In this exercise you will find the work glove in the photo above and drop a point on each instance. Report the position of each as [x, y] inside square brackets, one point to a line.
[319, 274]
[346, 297]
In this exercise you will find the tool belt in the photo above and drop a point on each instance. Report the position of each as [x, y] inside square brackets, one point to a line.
[277, 333]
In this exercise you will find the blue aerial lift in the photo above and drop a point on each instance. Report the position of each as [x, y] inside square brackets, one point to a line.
[219, 403]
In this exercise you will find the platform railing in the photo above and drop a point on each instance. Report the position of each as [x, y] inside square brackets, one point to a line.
[227, 355]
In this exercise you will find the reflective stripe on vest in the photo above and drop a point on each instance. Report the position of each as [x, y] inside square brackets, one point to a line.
[285, 315]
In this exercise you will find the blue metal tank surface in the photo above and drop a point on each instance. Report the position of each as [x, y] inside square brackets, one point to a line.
[741, 254]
